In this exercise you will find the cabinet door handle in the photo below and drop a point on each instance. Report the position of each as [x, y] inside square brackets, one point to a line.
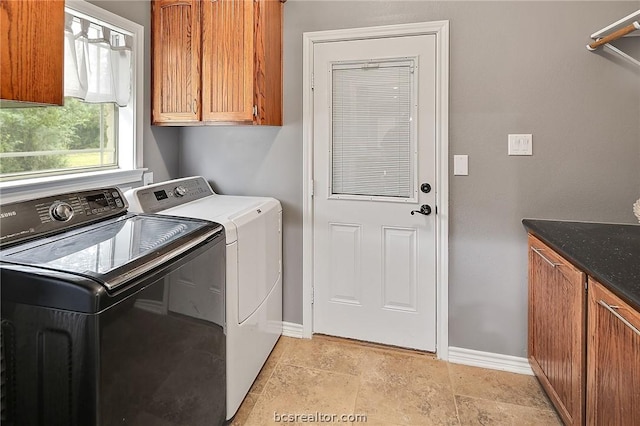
[612, 309]
[538, 252]
[194, 106]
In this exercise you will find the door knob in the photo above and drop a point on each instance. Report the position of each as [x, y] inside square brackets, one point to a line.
[425, 209]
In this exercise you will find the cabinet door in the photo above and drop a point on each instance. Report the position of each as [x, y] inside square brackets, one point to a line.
[32, 51]
[227, 60]
[176, 61]
[268, 62]
[613, 363]
[557, 305]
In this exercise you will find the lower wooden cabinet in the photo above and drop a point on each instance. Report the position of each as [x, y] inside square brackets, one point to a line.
[584, 343]
[557, 314]
[613, 360]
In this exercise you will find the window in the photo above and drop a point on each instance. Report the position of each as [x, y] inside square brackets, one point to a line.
[373, 147]
[96, 128]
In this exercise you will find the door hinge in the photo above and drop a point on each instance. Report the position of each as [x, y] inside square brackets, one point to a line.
[312, 188]
[313, 295]
[313, 83]
[255, 110]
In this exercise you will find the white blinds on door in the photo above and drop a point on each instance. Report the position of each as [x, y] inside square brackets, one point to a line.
[372, 132]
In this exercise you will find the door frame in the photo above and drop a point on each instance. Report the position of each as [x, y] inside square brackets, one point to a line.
[441, 30]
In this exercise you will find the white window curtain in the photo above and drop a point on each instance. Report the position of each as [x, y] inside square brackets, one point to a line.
[97, 62]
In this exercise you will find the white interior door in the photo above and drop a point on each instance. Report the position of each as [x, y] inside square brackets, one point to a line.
[373, 147]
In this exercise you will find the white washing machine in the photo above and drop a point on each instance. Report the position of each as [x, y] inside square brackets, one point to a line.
[253, 227]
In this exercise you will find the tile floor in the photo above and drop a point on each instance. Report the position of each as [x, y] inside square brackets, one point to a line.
[389, 386]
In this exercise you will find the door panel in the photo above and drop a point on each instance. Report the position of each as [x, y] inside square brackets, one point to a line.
[176, 60]
[227, 64]
[374, 144]
[399, 273]
[345, 263]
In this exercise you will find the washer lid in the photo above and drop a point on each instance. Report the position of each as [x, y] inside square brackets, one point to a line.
[116, 251]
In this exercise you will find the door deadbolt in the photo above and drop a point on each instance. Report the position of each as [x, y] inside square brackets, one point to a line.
[425, 187]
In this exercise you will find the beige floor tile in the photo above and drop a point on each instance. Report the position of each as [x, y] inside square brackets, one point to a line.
[477, 411]
[376, 346]
[405, 389]
[263, 376]
[325, 354]
[498, 386]
[279, 349]
[419, 403]
[245, 409]
[397, 367]
[527, 416]
[371, 421]
[474, 411]
[298, 390]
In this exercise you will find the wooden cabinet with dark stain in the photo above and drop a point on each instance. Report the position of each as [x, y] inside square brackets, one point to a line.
[31, 52]
[217, 62]
[613, 360]
[557, 314]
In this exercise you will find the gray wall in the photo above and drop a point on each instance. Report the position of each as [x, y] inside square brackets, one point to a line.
[516, 67]
[160, 144]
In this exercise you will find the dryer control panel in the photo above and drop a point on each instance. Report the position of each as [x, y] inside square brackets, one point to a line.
[163, 196]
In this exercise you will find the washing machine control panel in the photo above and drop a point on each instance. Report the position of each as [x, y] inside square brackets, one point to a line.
[24, 220]
[162, 196]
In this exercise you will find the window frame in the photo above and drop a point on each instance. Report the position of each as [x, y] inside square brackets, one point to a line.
[130, 125]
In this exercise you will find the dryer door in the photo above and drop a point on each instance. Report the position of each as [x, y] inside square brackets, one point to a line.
[259, 255]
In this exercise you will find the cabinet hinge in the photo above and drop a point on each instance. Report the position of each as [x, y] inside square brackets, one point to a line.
[255, 110]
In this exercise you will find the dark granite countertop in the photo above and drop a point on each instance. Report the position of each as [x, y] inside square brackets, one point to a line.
[610, 253]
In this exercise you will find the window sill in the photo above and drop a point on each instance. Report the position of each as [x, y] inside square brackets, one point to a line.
[26, 189]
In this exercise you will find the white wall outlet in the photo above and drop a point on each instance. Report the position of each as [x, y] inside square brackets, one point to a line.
[461, 165]
[521, 144]
[147, 178]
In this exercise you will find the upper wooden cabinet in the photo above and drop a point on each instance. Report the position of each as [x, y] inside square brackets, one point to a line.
[31, 52]
[175, 46]
[217, 62]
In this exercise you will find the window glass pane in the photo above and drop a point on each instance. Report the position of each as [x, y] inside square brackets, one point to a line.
[372, 132]
[45, 139]
[97, 124]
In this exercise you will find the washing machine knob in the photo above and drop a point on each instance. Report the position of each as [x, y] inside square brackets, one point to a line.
[61, 211]
[180, 191]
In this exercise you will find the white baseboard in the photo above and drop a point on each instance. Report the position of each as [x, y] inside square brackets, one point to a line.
[291, 329]
[512, 364]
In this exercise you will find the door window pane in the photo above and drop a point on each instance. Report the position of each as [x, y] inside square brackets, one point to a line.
[372, 129]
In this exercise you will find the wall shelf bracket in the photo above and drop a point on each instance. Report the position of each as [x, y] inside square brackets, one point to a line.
[627, 26]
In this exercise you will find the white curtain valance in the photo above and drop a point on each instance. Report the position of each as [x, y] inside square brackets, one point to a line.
[97, 62]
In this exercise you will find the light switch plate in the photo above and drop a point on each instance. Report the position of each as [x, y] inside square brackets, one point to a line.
[520, 144]
[461, 165]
